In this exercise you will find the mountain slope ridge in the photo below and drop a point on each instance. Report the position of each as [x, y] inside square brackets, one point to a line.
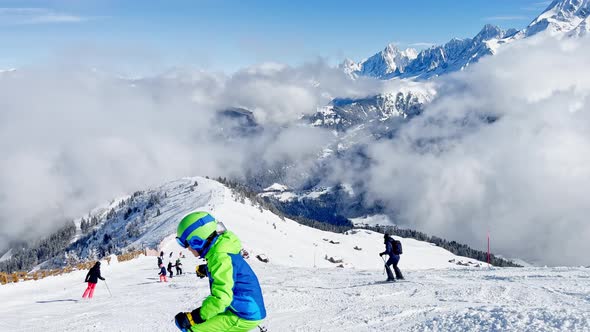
[134, 222]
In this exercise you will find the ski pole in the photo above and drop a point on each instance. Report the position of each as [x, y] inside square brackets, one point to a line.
[384, 264]
[105, 283]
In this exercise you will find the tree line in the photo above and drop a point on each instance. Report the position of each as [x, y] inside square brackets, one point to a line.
[28, 255]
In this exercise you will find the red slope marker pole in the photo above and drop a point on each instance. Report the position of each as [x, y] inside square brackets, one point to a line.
[488, 248]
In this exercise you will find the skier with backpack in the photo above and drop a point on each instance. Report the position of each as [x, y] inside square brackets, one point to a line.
[92, 279]
[236, 302]
[393, 249]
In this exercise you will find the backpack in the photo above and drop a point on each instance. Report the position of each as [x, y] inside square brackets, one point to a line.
[397, 247]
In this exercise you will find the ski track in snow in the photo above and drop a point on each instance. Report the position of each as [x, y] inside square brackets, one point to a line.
[307, 299]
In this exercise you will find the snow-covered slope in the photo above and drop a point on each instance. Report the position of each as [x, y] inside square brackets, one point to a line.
[284, 242]
[308, 299]
[581, 30]
[303, 290]
[6, 255]
[402, 103]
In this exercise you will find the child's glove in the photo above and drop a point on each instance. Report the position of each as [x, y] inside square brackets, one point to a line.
[202, 271]
[184, 320]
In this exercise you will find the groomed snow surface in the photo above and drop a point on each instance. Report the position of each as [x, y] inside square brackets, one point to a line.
[303, 290]
[307, 299]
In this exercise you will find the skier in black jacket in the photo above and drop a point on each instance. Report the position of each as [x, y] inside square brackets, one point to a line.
[390, 250]
[92, 278]
[170, 268]
[178, 267]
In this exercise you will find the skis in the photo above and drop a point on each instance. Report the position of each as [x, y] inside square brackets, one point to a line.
[380, 282]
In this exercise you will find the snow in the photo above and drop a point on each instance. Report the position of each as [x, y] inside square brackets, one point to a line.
[304, 291]
[561, 16]
[277, 187]
[455, 55]
[281, 196]
[6, 255]
[308, 299]
[280, 192]
[347, 187]
[581, 30]
[317, 193]
[377, 219]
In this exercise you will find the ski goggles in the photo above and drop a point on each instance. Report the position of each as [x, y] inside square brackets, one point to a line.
[182, 243]
[195, 242]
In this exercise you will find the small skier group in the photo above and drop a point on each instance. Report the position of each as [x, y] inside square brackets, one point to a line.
[235, 303]
[177, 264]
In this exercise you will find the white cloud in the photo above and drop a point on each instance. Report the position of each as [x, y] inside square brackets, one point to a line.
[525, 177]
[506, 18]
[72, 138]
[536, 6]
[422, 44]
[16, 16]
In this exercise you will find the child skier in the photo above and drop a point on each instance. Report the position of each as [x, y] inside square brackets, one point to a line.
[236, 302]
[162, 273]
[92, 278]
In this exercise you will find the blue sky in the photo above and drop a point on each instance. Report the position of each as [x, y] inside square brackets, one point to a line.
[227, 35]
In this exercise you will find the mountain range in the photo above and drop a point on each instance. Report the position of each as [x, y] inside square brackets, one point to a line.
[570, 18]
[357, 122]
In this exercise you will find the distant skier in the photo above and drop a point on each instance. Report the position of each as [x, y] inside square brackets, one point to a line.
[178, 267]
[92, 278]
[162, 273]
[170, 256]
[393, 249]
[236, 302]
[170, 269]
[160, 261]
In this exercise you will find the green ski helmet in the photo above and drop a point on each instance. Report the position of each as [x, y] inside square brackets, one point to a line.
[194, 230]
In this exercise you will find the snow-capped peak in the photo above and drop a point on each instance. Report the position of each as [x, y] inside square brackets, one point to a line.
[350, 67]
[388, 61]
[489, 32]
[560, 16]
[454, 55]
